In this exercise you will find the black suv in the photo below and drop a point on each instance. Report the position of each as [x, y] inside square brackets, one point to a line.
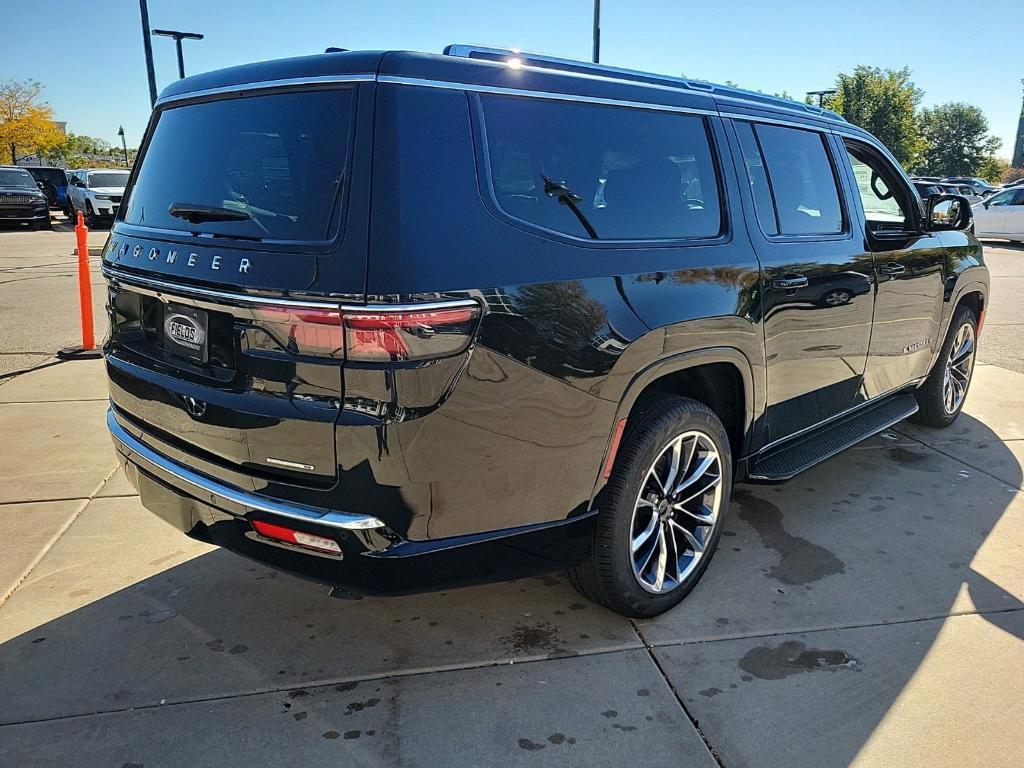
[21, 199]
[393, 320]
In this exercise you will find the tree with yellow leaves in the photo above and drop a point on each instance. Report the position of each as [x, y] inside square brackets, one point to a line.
[26, 123]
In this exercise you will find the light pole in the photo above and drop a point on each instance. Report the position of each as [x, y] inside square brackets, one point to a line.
[124, 145]
[597, 31]
[148, 46]
[822, 94]
[178, 37]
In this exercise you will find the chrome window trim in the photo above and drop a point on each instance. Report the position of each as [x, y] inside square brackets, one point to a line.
[265, 85]
[549, 95]
[235, 298]
[136, 450]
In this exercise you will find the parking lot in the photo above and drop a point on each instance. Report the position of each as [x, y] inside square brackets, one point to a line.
[870, 612]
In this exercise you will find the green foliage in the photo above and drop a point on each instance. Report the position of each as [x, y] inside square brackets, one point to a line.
[993, 169]
[956, 140]
[883, 102]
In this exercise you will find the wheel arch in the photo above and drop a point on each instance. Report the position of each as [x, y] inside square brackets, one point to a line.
[720, 377]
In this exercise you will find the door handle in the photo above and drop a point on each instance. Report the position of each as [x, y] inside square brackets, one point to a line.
[789, 282]
[892, 268]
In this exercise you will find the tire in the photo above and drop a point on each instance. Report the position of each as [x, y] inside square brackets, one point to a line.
[48, 224]
[933, 397]
[90, 216]
[609, 574]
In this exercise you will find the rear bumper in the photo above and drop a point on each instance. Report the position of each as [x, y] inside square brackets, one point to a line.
[373, 560]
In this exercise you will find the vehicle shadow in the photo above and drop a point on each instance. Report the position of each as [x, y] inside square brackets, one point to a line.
[218, 626]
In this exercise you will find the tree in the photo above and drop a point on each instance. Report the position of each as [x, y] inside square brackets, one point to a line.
[26, 122]
[883, 102]
[993, 170]
[956, 140]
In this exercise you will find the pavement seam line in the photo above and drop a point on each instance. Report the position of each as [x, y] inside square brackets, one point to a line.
[53, 539]
[959, 460]
[835, 627]
[313, 685]
[679, 699]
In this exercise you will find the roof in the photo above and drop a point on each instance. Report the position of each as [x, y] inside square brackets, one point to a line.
[499, 68]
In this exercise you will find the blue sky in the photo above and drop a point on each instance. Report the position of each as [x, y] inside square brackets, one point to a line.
[958, 50]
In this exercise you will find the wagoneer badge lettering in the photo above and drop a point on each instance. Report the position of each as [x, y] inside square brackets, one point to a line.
[194, 260]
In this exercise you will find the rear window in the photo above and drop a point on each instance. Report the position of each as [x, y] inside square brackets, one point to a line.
[108, 179]
[55, 176]
[279, 159]
[603, 173]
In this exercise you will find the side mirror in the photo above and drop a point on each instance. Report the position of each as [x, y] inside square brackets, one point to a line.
[948, 212]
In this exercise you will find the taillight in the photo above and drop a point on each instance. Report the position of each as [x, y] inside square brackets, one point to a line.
[373, 335]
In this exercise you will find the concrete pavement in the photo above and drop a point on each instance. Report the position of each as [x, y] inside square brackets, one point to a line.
[851, 616]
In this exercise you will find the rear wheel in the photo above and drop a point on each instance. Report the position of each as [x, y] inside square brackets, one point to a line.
[662, 510]
[941, 397]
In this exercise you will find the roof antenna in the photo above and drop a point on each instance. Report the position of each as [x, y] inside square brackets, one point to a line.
[336, 50]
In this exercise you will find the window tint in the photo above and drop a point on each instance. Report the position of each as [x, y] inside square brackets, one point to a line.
[279, 158]
[602, 172]
[879, 191]
[758, 179]
[108, 179]
[802, 180]
[1002, 198]
[1018, 197]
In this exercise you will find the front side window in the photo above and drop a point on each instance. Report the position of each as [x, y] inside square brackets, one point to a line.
[879, 190]
[268, 167]
[1002, 198]
[601, 173]
[802, 179]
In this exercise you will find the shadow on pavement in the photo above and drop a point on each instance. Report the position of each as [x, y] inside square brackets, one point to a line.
[878, 536]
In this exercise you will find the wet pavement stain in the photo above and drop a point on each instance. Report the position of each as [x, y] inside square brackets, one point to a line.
[800, 561]
[537, 637]
[359, 706]
[331, 734]
[353, 734]
[709, 692]
[621, 727]
[609, 713]
[792, 658]
[529, 745]
[912, 459]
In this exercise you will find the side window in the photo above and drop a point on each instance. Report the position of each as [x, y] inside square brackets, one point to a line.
[1002, 198]
[1018, 197]
[878, 184]
[757, 177]
[802, 179]
[603, 173]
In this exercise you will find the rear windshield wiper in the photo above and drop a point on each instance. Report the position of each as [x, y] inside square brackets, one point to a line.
[566, 196]
[197, 214]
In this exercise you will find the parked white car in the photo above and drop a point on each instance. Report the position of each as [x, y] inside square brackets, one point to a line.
[1001, 215]
[96, 192]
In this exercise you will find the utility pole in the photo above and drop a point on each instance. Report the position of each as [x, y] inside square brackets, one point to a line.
[597, 31]
[144, 10]
[178, 37]
[1018, 146]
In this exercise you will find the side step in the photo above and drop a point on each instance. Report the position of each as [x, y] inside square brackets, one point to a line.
[793, 457]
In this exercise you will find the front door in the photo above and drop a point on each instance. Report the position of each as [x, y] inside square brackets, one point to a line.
[817, 282]
[909, 270]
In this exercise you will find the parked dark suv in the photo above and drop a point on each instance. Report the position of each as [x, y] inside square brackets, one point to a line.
[397, 320]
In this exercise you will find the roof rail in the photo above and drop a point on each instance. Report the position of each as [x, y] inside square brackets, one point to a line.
[544, 61]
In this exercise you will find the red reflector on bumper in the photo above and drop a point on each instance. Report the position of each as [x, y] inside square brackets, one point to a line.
[298, 538]
[614, 448]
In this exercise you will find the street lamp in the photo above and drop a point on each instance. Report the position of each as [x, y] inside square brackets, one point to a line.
[124, 145]
[178, 37]
[597, 31]
[822, 94]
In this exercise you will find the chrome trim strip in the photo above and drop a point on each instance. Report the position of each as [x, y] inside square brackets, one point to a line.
[551, 95]
[265, 85]
[829, 126]
[204, 486]
[231, 297]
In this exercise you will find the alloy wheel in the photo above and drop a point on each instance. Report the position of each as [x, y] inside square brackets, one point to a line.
[676, 512]
[959, 364]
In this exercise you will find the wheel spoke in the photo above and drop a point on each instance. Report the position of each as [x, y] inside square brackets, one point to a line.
[962, 352]
[675, 554]
[640, 539]
[675, 459]
[699, 471]
[659, 578]
[692, 540]
[709, 483]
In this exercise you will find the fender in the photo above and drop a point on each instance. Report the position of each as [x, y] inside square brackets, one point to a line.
[953, 298]
[753, 398]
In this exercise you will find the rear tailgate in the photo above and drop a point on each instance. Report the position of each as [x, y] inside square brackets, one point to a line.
[219, 351]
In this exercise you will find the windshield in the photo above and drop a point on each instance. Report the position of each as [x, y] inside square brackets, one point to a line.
[108, 179]
[10, 177]
[279, 159]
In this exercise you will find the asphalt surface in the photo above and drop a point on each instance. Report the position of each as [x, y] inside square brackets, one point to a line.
[39, 298]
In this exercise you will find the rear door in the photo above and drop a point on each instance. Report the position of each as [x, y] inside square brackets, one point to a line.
[817, 283]
[241, 234]
[1014, 211]
[990, 215]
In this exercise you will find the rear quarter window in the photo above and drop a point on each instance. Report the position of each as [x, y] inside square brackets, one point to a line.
[601, 172]
[279, 158]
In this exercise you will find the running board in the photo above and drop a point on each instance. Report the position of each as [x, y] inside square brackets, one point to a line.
[802, 453]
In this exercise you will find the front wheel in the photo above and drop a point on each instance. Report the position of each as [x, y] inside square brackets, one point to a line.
[662, 511]
[941, 398]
